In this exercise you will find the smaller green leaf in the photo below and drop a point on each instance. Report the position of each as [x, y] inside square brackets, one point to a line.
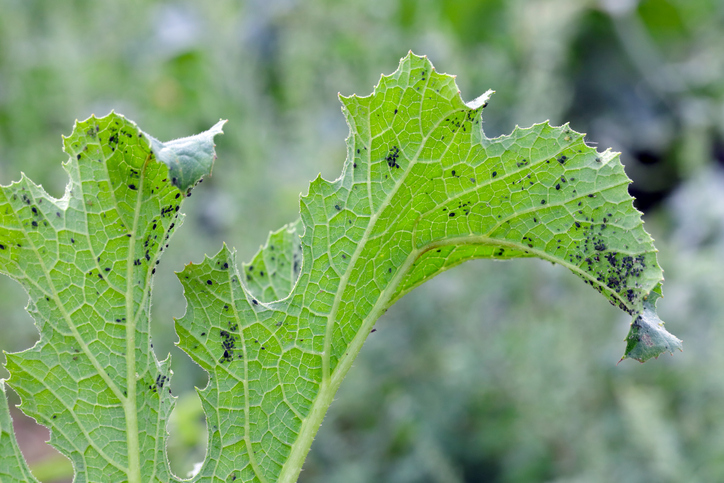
[647, 337]
[87, 261]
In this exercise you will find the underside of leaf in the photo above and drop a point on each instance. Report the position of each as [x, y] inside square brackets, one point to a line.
[422, 190]
[87, 261]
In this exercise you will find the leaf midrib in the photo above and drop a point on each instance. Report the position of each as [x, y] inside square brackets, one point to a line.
[327, 388]
[130, 403]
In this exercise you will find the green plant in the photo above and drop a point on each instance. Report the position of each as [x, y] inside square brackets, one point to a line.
[422, 191]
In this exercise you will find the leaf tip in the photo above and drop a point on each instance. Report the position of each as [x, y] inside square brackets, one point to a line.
[188, 159]
[647, 337]
[481, 101]
[217, 128]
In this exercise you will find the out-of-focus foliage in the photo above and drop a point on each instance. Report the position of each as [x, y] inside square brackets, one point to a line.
[646, 78]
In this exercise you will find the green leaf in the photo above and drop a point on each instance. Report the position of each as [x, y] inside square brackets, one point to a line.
[87, 261]
[422, 190]
[647, 337]
[12, 464]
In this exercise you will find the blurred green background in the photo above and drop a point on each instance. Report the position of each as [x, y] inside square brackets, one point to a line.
[493, 372]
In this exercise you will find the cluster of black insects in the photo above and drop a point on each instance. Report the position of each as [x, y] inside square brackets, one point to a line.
[228, 343]
[392, 156]
[158, 385]
[615, 271]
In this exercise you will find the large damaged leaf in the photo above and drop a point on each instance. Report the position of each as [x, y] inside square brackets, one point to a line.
[422, 190]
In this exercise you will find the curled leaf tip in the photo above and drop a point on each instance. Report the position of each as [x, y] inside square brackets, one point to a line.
[647, 337]
[188, 159]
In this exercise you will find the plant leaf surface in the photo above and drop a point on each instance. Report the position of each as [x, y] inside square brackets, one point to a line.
[13, 466]
[422, 190]
[87, 262]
